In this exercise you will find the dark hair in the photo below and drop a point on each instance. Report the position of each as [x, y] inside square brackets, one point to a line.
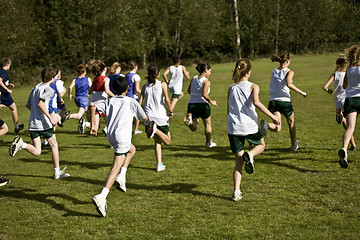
[280, 57]
[56, 67]
[81, 68]
[341, 63]
[48, 73]
[242, 67]
[120, 84]
[354, 54]
[201, 67]
[176, 59]
[97, 67]
[153, 72]
[132, 64]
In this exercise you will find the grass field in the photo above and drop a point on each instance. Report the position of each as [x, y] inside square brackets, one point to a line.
[303, 195]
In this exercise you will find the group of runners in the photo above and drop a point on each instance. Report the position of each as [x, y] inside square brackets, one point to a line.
[119, 99]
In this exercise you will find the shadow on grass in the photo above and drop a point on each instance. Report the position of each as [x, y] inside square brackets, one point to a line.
[31, 194]
[175, 188]
[88, 165]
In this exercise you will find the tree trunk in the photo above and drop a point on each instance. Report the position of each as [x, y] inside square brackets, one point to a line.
[277, 27]
[238, 42]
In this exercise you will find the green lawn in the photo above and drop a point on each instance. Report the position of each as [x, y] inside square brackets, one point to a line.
[303, 195]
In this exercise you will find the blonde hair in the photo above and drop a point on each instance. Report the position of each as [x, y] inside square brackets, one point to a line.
[354, 55]
[341, 63]
[114, 66]
[242, 67]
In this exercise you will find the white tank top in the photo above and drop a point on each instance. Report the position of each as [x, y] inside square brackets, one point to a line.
[339, 91]
[176, 79]
[197, 90]
[242, 118]
[279, 91]
[154, 105]
[353, 76]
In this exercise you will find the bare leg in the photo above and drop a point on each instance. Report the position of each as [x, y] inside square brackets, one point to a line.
[34, 149]
[162, 137]
[258, 148]
[351, 122]
[208, 129]
[292, 128]
[158, 149]
[79, 114]
[352, 140]
[237, 174]
[4, 129]
[14, 113]
[272, 126]
[137, 123]
[55, 150]
[129, 156]
[114, 171]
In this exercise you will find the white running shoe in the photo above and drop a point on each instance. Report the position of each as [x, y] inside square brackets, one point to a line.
[343, 158]
[61, 174]
[160, 167]
[137, 132]
[188, 119]
[263, 127]
[249, 162]
[15, 146]
[296, 146]
[150, 133]
[120, 184]
[237, 196]
[100, 204]
[82, 126]
[210, 144]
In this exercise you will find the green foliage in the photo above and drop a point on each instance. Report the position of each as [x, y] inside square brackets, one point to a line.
[303, 195]
[70, 32]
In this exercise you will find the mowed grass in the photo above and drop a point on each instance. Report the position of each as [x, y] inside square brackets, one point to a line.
[303, 195]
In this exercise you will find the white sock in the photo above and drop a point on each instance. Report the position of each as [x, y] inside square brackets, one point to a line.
[23, 145]
[87, 124]
[45, 142]
[104, 193]
[237, 191]
[57, 170]
[123, 172]
[251, 155]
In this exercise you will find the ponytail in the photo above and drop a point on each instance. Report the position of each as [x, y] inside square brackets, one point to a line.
[201, 67]
[242, 67]
[281, 58]
[153, 73]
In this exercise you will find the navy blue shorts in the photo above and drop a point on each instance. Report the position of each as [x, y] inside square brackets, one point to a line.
[6, 99]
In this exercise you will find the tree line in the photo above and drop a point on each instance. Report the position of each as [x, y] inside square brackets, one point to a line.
[39, 32]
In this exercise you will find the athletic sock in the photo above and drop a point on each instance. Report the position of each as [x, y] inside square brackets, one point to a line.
[87, 124]
[123, 172]
[104, 193]
[237, 191]
[57, 170]
[23, 145]
[46, 142]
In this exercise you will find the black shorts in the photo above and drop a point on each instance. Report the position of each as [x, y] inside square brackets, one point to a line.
[1, 123]
[6, 99]
[201, 110]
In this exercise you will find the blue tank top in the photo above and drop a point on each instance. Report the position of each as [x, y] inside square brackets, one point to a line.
[55, 95]
[112, 77]
[81, 87]
[131, 83]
